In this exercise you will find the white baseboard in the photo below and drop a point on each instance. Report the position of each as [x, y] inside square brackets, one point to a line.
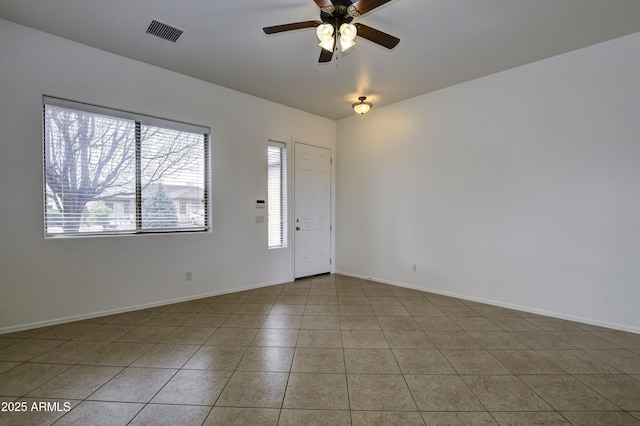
[56, 321]
[558, 315]
[63, 320]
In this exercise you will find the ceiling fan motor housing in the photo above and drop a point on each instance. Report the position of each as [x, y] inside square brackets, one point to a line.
[338, 17]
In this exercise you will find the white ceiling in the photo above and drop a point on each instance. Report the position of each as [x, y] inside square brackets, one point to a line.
[443, 42]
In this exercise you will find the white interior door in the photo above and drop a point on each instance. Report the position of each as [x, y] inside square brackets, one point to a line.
[312, 227]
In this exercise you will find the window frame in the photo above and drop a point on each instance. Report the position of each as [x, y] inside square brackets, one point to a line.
[136, 208]
[283, 235]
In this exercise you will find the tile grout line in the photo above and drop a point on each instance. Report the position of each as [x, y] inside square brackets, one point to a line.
[538, 349]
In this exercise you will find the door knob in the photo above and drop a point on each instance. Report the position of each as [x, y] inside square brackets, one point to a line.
[297, 228]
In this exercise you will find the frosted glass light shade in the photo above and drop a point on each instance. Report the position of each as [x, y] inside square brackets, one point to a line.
[348, 34]
[362, 107]
[324, 32]
[325, 35]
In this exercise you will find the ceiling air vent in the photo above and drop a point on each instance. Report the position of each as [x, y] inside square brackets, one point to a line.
[164, 31]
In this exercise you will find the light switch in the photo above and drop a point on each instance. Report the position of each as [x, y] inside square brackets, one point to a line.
[259, 219]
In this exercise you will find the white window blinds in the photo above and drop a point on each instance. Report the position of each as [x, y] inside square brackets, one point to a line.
[277, 194]
[113, 172]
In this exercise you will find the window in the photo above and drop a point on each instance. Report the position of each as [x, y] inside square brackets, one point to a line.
[277, 194]
[98, 162]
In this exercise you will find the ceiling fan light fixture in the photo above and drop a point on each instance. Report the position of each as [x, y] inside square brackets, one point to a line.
[348, 34]
[334, 30]
[362, 107]
[327, 45]
[324, 32]
[344, 45]
[325, 35]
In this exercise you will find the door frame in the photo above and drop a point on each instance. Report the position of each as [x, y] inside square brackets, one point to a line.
[292, 225]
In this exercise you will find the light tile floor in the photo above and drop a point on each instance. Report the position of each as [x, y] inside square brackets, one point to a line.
[328, 350]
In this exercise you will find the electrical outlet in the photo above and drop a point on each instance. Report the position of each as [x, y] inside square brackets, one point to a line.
[188, 276]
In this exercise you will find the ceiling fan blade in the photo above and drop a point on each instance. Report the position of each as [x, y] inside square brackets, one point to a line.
[290, 27]
[363, 6]
[325, 55]
[325, 5]
[377, 36]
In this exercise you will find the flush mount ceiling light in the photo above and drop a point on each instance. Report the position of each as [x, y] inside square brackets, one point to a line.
[362, 107]
[335, 28]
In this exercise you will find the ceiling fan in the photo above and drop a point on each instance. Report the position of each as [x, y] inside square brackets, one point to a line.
[335, 31]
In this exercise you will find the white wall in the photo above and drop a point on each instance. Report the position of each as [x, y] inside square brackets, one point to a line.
[44, 281]
[521, 188]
